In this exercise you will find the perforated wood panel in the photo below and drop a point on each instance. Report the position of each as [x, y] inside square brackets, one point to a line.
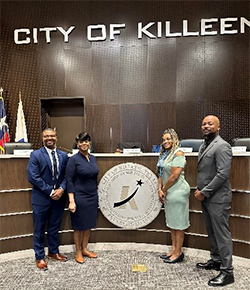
[138, 87]
[103, 124]
[134, 120]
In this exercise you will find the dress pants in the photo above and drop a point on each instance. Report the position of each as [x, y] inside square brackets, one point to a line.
[216, 216]
[50, 215]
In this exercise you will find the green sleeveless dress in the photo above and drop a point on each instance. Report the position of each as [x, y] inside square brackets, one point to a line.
[177, 199]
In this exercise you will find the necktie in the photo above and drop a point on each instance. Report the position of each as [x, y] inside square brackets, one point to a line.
[54, 167]
[203, 148]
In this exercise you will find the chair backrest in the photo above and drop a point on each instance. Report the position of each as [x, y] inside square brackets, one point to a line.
[242, 142]
[194, 143]
[11, 146]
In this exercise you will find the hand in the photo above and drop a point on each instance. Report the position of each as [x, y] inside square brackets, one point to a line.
[57, 193]
[162, 195]
[72, 206]
[198, 195]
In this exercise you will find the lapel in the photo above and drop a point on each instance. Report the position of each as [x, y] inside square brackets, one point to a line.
[209, 147]
[60, 159]
[46, 157]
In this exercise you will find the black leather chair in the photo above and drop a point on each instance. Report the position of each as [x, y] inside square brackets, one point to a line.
[194, 143]
[11, 146]
[242, 142]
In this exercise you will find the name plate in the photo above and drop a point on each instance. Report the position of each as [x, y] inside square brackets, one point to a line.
[131, 150]
[239, 149]
[186, 149]
[25, 152]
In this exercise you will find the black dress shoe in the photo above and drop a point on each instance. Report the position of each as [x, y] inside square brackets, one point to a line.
[164, 256]
[177, 260]
[209, 265]
[222, 279]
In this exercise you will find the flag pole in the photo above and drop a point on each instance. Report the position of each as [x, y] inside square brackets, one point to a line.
[21, 131]
[1, 96]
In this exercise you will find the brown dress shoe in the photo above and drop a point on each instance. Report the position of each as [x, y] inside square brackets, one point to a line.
[79, 258]
[41, 264]
[89, 254]
[58, 257]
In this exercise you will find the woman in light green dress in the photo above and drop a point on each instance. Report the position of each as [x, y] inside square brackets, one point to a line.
[174, 192]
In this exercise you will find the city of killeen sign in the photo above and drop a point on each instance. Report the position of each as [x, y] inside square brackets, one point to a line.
[128, 195]
[100, 32]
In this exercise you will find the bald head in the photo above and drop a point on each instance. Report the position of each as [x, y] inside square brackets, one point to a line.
[210, 127]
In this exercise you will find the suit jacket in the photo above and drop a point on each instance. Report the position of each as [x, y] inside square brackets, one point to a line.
[40, 175]
[214, 166]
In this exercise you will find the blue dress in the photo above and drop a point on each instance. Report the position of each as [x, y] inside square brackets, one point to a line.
[82, 181]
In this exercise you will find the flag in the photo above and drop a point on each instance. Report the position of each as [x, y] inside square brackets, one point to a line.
[21, 131]
[4, 129]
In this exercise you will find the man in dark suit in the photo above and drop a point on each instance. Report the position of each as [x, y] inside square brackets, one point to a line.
[46, 172]
[214, 192]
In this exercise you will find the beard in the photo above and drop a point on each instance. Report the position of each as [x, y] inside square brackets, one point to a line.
[209, 135]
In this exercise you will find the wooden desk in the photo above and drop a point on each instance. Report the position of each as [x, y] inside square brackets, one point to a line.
[16, 224]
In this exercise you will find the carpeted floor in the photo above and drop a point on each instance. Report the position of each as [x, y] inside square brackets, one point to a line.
[113, 270]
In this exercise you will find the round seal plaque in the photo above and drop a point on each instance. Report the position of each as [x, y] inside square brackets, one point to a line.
[128, 195]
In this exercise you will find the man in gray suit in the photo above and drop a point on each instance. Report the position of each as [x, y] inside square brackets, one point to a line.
[214, 192]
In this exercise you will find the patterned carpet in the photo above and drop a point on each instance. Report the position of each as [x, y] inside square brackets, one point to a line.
[113, 270]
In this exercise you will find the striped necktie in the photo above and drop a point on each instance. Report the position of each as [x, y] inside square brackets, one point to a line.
[55, 172]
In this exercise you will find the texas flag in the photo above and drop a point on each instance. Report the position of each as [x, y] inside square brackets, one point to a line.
[21, 131]
[4, 129]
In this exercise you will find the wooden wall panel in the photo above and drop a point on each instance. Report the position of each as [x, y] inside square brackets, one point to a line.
[133, 74]
[77, 63]
[239, 174]
[17, 174]
[240, 228]
[242, 60]
[13, 202]
[189, 116]
[194, 204]
[240, 204]
[160, 117]
[106, 75]
[16, 221]
[18, 244]
[190, 76]
[16, 225]
[199, 74]
[104, 126]
[134, 121]
[161, 87]
[224, 111]
[242, 117]
[219, 72]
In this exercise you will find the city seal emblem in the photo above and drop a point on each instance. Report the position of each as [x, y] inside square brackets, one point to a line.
[128, 195]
